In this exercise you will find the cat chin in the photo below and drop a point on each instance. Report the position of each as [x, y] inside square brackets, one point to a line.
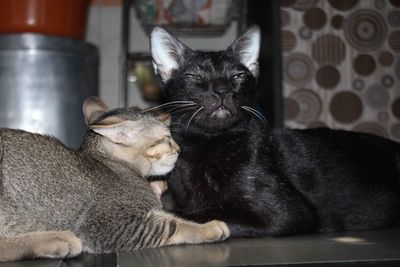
[215, 124]
[163, 166]
[160, 169]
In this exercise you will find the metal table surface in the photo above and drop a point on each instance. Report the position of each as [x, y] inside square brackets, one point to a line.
[369, 248]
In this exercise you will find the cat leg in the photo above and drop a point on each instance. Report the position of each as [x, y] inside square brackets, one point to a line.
[117, 229]
[159, 187]
[47, 244]
[181, 231]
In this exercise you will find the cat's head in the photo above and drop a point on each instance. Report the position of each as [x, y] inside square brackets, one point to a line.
[220, 84]
[141, 140]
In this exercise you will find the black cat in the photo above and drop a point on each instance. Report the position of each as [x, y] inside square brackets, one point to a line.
[266, 181]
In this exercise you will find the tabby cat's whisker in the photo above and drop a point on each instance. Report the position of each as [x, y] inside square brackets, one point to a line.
[191, 118]
[184, 106]
[181, 110]
[257, 114]
[176, 110]
[169, 104]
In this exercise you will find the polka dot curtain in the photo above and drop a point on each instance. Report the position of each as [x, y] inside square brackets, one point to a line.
[341, 65]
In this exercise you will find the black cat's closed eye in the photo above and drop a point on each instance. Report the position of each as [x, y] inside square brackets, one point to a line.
[192, 76]
[239, 76]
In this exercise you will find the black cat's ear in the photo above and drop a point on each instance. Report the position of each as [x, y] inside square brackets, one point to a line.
[167, 52]
[247, 49]
[93, 107]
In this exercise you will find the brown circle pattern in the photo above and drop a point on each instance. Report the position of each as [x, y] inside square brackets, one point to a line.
[343, 4]
[328, 49]
[292, 108]
[365, 30]
[364, 64]
[394, 18]
[377, 97]
[397, 69]
[358, 84]
[394, 41]
[337, 22]
[386, 59]
[304, 4]
[309, 103]
[349, 61]
[395, 131]
[314, 18]
[288, 41]
[298, 69]
[387, 81]
[346, 107]
[371, 128]
[327, 77]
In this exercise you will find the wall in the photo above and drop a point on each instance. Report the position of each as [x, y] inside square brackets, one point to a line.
[341, 64]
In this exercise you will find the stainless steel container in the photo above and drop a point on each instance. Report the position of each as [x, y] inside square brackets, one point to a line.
[43, 83]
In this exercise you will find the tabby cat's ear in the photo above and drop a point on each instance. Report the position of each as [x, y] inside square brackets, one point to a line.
[247, 49]
[118, 130]
[167, 52]
[93, 107]
[165, 118]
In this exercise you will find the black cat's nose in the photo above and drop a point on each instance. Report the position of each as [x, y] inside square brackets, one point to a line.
[220, 87]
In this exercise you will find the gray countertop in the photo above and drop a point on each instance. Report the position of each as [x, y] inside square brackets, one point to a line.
[369, 248]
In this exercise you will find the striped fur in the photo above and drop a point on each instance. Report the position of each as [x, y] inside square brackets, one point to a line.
[56, 202]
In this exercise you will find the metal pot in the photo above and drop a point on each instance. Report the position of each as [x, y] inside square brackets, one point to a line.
[43, 83]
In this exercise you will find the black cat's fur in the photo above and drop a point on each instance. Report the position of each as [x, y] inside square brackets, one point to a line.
[266, 181]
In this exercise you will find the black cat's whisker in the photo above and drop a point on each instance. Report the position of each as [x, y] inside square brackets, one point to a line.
[191, 118]
[176, 127]
[177, 130]
[257, 114]
[176, 123]
[169, 104]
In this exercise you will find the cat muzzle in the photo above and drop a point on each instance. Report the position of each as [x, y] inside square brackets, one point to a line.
[220, 113]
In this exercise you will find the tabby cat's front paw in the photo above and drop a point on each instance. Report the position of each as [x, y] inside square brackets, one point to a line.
[216, 231]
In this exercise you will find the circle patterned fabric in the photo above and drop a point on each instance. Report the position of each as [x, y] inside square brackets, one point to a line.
[347, 54]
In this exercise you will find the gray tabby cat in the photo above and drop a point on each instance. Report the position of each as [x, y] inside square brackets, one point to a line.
[56, 203]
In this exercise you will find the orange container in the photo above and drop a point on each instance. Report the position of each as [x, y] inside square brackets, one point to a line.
[53, 17]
